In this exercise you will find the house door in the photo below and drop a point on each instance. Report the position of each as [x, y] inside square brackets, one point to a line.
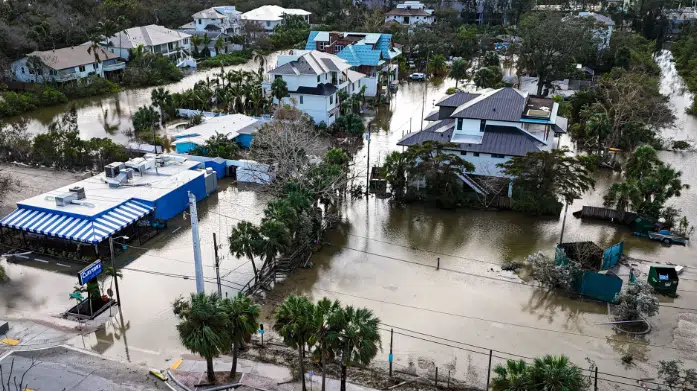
[406, 20]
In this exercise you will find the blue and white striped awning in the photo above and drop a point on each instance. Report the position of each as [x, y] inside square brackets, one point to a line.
[79, 229]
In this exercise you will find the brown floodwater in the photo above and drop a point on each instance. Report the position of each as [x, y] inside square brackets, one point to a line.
[384, 257]
[116, 110]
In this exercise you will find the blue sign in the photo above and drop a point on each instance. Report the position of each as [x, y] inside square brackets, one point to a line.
[90, 272]
[389, 357]
[261, 332]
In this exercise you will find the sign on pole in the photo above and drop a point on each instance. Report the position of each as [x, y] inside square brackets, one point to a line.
[90, 272]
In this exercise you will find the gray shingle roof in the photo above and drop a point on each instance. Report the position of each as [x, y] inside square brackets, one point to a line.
[497, 139]
[312, 63]
[456, 99]
[321, 89]
[432, 116]
[505, 104]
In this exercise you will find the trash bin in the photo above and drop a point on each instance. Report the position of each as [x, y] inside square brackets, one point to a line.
[664, 279]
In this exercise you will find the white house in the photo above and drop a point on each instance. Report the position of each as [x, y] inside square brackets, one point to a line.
[604, 30]
[270, 16]
[313, 79]
[492, 127]
[154, 39]
[410, 13]
[224, 19]
[65, 64]
[372, 54]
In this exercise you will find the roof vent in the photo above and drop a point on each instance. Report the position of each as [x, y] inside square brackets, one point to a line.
[79, 191]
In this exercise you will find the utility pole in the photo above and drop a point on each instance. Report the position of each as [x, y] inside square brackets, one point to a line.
[423, 99]
[367, 174]
[113, 269]
[217, 265]
[390, 356]
[197, 244]
[563, 224]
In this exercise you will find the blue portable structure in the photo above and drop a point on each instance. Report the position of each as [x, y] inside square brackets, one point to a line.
[235, 127]
[595, 280]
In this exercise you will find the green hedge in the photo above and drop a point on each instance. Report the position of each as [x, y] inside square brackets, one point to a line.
[221, 60]
[148, 69]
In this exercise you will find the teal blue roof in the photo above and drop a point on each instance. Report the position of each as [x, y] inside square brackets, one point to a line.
[360, 53]
[357, 55]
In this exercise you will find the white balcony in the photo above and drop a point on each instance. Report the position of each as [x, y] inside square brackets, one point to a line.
[113, 67]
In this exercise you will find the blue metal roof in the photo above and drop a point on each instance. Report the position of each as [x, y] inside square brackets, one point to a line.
[357, 55]
[361, 53]
[71, 227]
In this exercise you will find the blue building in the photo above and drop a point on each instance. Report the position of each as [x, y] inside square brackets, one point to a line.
[134, 198]
[236, 127]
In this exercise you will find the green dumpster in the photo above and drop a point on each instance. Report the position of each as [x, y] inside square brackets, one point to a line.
[664, 279]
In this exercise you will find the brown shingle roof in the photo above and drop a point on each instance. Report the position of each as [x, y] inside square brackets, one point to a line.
[72, 56]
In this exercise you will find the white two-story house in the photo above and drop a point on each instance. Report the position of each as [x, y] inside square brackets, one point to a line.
[269, 16]
[372, 54]
[410, 13]
[66, 64]
[491, 127]
[154, 39]
[313, 80]
[224, 19]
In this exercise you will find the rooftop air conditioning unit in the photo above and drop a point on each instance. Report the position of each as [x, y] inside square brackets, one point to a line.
[112, 170]
[65, 199]
[79, 191]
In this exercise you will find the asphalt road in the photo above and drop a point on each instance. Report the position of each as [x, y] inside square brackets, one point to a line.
[62, 369]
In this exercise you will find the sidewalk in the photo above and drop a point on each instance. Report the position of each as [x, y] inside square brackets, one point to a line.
[191, 371]
[35, 335]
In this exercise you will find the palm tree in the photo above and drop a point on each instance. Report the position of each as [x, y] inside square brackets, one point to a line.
[325, 336]
[359, 340]
[202, 327]
[138, 52]
[556, 373]
[205, 41]
[245, 241]
[275, 239]
[260, 58]
[621, 195]
[160, 97]
[294, 323]
[196, 42]
[243, 318]
[458, 71]
[437, 65]
[279, 89]
[511, 377]
[219, 45]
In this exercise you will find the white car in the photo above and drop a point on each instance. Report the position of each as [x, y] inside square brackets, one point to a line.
[417, 76]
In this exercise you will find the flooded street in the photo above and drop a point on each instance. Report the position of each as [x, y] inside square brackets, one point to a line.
[383, 257]
[117, 109]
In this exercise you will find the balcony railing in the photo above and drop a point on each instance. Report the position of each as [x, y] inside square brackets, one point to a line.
[113, 67]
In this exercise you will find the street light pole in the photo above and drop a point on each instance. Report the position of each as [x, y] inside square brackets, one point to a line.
[113, 270]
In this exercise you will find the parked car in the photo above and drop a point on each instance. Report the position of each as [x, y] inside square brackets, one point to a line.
[667, 237]
[417, 76]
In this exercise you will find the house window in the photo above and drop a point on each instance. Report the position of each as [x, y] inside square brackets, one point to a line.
[463, 153]
[326, 77]
[482, 125]
[199, 21]
[186, 41]
[23, 70]
[317, 78]
[268, 24]
[497, 156]
[170, 46]
[338, 48]
[475, 154]
[82, 68]
[277, 77]
[459, 123]
[331, 99]
[301, 99]
[323, 45]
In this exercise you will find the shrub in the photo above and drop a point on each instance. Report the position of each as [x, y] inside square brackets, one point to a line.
[149, 69]
[636, 301]
[549, 274]
[90, 86]
[227, 59]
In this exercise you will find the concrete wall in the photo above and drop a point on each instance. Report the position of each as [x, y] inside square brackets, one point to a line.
[177, 201]
[245, 140]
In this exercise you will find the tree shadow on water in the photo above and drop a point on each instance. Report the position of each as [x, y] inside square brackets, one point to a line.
[551, 305]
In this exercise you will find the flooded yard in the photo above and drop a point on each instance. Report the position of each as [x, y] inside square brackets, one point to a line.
[384, 257]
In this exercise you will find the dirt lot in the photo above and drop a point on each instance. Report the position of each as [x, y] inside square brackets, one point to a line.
[33, 181]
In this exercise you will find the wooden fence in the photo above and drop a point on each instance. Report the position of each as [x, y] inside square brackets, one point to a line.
[606, 214]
